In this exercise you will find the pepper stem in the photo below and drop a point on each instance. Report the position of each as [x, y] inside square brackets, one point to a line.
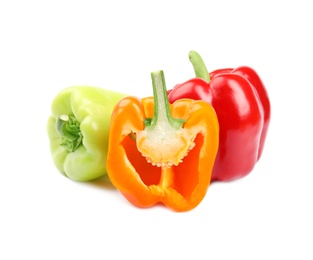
[199, 66]
[162, 114]
[69, 129]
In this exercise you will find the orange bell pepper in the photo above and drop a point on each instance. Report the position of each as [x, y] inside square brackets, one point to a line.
[162, 153]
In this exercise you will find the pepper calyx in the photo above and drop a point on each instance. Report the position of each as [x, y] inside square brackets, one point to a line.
[68, 128]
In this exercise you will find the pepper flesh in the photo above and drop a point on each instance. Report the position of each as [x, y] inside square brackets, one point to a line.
[243, 109]
[161, 153]
[78, 131]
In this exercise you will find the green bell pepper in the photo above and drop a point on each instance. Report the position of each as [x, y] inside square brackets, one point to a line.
[78, 131]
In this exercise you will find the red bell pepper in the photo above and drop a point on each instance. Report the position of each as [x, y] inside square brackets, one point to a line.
[243, 109]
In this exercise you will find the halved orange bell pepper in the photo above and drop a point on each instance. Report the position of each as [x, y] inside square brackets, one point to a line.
[162, 153]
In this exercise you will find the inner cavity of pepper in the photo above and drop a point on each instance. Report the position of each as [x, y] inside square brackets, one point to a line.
[183, 178]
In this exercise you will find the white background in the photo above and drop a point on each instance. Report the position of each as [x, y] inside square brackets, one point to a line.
[46, 46]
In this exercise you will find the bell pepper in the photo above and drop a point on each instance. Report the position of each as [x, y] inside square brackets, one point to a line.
[243, 109]
[78, 131]
[162, 153]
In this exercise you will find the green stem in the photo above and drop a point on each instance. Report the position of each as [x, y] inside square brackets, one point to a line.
[69, 129]
[162, 114]
[164, 142]
[199, 66]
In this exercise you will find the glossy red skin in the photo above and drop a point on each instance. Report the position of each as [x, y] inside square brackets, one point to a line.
[243, 108]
